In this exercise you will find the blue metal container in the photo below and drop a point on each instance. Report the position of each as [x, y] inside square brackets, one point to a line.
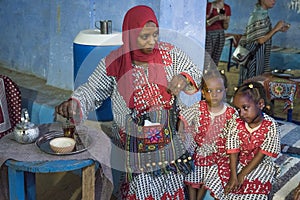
[89, 47]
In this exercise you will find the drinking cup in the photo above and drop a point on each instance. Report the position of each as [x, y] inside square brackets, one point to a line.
[69, 130]
[105, 26]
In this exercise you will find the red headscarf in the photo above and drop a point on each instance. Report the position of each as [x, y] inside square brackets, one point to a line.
[119, 62]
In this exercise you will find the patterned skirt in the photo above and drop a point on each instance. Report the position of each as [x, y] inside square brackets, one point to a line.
[167, 186]
[257, 184]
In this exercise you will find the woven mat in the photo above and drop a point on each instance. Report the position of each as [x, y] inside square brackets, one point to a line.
[283, 188]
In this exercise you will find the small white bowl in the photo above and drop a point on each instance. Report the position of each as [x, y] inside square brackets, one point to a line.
[62, 144]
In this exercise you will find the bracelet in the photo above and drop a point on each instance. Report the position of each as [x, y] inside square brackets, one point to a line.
[188, 82]
[208, 22]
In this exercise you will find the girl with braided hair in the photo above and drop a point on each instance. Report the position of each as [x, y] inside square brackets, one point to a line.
[252, 142]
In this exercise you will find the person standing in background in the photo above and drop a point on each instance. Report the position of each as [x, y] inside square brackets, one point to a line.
[259, 33]
[217, 20]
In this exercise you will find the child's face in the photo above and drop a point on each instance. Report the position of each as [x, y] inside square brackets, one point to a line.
[214, 91]
[249, 111]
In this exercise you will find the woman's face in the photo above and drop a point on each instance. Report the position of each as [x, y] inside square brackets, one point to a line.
[147, 38]
[267, 4]
[214, 91]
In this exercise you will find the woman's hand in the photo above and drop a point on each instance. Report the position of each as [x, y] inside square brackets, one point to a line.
[177, 84]
[234, 183]
[285, 27]
[68, 109]
[282, 26]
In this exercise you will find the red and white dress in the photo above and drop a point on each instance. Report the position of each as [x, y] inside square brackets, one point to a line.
[208, 136]
[248, 141]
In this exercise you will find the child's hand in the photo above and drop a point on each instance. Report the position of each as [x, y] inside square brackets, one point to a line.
[231, 185]
[241, 178]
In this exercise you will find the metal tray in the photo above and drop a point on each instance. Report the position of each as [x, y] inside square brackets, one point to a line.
[82, 144]
[283, 75]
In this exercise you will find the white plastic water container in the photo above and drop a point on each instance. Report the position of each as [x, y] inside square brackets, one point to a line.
[89, 47]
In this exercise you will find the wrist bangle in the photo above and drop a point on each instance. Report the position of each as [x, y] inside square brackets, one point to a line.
[208, 22]
[186, 79]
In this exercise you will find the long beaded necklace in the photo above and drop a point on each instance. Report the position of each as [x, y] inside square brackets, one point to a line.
[147, 95]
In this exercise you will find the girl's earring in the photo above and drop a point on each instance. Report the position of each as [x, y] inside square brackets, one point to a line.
[261, 104]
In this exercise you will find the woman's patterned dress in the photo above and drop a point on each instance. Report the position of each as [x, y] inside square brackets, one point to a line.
[147, 178]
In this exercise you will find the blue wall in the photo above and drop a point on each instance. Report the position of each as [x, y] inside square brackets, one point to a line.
[37, 36]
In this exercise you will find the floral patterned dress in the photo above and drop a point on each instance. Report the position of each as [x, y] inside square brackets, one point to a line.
[248, 141]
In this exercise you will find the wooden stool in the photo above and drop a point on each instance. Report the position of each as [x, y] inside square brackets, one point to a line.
[21, 176]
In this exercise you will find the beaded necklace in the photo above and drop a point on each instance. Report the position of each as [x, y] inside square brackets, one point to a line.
[147, 95]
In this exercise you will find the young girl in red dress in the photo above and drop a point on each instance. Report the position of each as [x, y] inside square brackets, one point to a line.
[207, 119]
[253, 141]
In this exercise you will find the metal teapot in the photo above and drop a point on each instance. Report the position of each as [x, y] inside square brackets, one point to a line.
[25, 132]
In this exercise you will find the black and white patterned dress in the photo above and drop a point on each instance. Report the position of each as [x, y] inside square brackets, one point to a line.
[140, 184]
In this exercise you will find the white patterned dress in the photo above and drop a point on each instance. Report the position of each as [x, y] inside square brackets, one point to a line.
[147, 99]
[247, 141]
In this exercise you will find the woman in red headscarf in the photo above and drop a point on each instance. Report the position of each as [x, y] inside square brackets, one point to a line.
[142, 78]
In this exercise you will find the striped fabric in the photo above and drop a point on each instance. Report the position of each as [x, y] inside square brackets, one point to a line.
[214, 44]
[261, 61]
